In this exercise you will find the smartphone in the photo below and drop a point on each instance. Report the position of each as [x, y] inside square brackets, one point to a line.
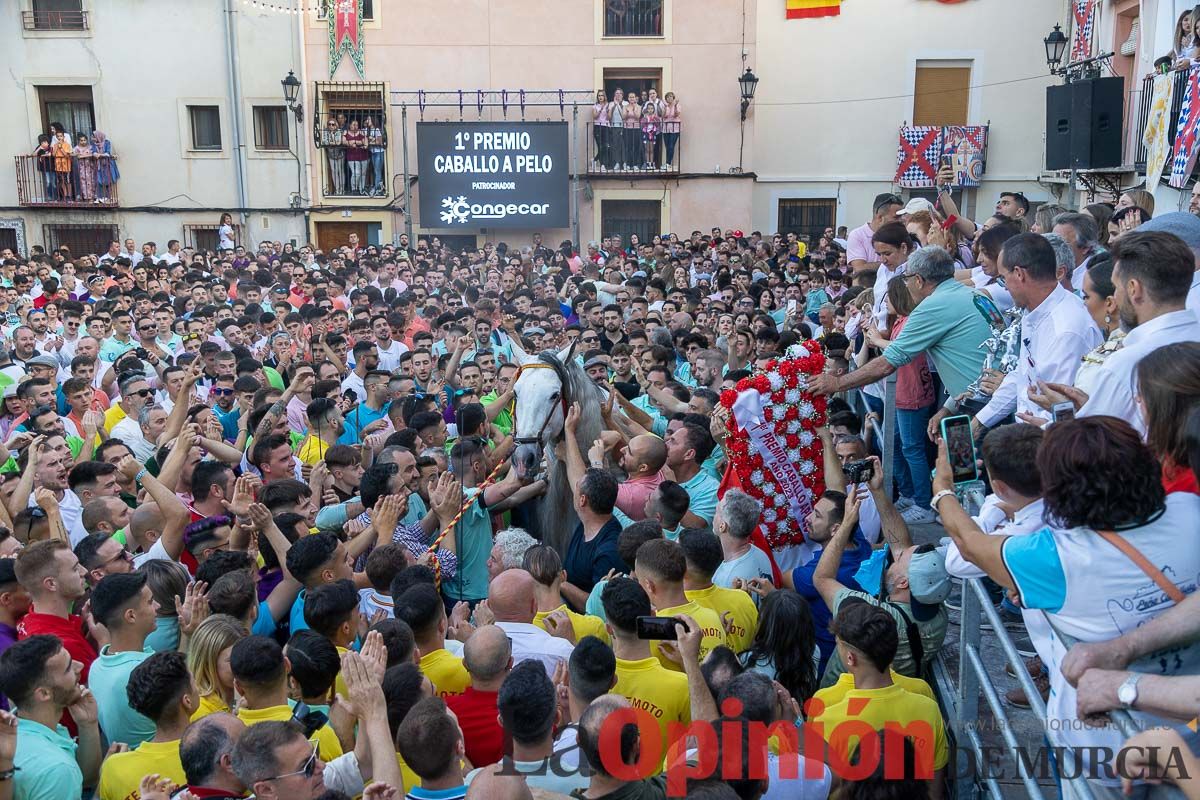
[960, 445]
[656, 628]
[1060, 412]
[791, 308]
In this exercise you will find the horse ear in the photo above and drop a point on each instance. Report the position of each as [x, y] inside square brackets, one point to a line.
[520, 357]
[565, 354]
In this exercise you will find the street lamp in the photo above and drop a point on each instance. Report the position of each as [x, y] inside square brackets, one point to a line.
[291, 91]
[748, 83]
[1056, 45]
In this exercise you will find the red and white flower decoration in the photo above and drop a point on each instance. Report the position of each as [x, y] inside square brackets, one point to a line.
[794, 415]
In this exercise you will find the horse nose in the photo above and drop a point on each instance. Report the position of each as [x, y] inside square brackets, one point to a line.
[525, 458]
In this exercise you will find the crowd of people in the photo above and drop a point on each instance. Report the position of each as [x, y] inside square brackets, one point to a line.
[268, 526]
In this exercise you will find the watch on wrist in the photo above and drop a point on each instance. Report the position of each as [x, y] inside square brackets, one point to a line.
[1127, 693]
[937, 498]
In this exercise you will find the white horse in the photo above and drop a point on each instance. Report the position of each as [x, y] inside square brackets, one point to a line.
[546, 386]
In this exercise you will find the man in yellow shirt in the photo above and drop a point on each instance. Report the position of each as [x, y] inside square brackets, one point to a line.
[331, 610]
[259, 677]
[646, 683]
[866, 639]
[544, 564]
[702, 550]
[325, 425]
[660, 567]
[422, 608]
[161, 689]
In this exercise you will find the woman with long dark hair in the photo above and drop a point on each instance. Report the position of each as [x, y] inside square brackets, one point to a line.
[785, 644]
[1169, 399]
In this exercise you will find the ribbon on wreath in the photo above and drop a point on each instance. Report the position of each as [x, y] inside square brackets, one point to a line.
[748, 413]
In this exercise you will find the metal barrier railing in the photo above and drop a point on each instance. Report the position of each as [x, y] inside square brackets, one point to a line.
[962, 704]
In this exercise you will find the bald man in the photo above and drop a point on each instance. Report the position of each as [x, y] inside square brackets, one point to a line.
[642, 459]
[487, 656]
[493, 783]
[513, 601]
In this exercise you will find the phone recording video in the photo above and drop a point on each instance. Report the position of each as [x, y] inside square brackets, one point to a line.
[656, 628]
[960, 446]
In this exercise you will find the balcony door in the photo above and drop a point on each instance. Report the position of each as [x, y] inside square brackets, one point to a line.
[625, 217]
[69, 106]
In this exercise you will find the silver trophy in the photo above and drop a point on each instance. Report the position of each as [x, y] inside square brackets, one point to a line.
[1003, 346]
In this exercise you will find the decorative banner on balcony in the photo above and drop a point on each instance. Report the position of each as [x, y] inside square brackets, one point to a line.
[966, 147]
[1084, 12]
[918, 155]
[805, 9]
[1187, 135]
[1158, 121]
[346, 34]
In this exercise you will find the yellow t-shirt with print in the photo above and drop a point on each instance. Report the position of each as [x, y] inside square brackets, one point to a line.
[584, 624]
[209, 704]
[660, 692]
[890, 708]
[832, 695]
[710, 624]
[445, 671]
[328, 746]
[122, 773]
[742, 611]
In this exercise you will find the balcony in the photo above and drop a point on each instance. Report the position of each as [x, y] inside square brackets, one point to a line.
[624, 152]
[1142, 102]
[633, 18]
[55, 20]
[76, 186]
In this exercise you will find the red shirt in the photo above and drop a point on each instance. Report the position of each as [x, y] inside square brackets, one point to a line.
[477, 716]
[67, 630]
[1178, 479]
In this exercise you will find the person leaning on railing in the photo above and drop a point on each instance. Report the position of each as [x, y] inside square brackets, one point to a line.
[1097, 477]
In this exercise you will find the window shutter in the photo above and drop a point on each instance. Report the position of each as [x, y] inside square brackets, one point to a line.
[942, 96]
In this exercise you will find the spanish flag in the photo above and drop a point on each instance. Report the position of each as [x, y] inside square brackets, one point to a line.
[800, 9]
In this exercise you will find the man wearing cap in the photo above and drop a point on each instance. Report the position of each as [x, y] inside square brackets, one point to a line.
[916, 584]
[859, 252]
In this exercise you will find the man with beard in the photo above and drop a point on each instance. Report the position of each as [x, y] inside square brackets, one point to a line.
[325, 425]
[54, 578]
[42, 679]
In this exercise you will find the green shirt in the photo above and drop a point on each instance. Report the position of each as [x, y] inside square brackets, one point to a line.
[702, 495]
[45, 761]
[107, 679]
[948, 327]
[473, 543]
[932, 633]
[503, 420]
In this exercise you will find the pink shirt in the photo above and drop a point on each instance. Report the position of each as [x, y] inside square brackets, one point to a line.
[632, 494]
[914, 384]
[858, 245]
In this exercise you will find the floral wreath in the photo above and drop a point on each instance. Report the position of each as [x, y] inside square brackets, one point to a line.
[794, 414]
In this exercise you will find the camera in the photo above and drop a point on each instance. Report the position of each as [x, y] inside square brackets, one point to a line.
[142, 353]
[859, 471]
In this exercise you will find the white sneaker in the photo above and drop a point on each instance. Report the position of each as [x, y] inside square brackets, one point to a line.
[915, 515]
[904, 503]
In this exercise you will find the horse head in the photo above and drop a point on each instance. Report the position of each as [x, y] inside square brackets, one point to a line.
[542, 390]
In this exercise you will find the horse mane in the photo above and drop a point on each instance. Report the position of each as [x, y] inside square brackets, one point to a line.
[556, 513]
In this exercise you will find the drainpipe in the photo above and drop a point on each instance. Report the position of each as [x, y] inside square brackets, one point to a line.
[301, 25]
[235, 92]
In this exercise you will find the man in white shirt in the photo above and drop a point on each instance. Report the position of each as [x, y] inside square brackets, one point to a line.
[734, 521]
[1152, 273]
[1056, 332]
[390, 349]
[1187, 227]
[512, 600]
[1083, 234]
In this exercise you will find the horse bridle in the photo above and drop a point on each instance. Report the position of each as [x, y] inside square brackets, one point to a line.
[520, 440]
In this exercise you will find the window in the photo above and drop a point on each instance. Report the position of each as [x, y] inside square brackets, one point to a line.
[807, 217]
[633, 17]
[56, 15]
[270, 128]
[68, 106]
[204, 237]
[8, 239]
[339, 104]
[80, 239]
[942, 93]
[206, 127]
[625, 217]
[368, 10]
[639, 80]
